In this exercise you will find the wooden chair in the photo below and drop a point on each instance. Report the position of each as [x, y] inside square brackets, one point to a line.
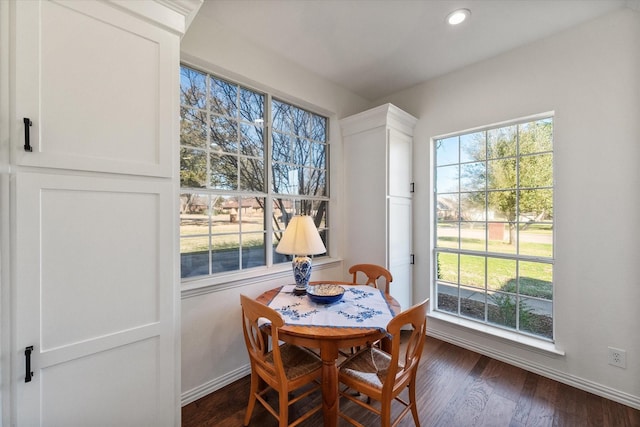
[383, 376]
[373, 273]
[284, 369]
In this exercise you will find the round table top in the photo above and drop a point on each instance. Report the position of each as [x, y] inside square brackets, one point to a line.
[326, 332]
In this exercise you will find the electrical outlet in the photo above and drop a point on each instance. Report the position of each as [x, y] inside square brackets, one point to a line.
[617, 357]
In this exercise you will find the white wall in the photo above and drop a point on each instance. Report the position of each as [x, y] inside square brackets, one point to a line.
[213, 350]
[590, 77]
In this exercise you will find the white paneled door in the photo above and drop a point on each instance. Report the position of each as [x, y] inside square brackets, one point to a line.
[95, 301]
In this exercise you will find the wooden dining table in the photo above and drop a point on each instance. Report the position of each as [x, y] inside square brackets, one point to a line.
[329, 340]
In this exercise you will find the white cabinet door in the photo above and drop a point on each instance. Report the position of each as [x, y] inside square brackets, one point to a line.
[399, 158]
[94, 296]
[99, 86]
[400, 249]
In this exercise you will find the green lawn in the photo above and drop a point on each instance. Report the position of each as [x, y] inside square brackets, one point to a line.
[536, 278]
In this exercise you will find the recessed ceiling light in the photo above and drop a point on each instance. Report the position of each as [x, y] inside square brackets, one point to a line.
[458, 16]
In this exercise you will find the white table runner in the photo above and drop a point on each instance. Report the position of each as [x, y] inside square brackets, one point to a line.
[360, 307]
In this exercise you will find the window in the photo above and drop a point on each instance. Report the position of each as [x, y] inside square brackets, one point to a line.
[248, 163]
[494, 229]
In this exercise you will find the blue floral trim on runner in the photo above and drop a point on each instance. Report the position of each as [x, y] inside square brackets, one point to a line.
[360, 294]
[289, 311]
[360, 316]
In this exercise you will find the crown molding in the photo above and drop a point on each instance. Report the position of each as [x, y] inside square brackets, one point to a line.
[187, 8]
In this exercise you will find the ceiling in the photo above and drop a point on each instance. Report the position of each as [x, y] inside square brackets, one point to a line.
[378, 47]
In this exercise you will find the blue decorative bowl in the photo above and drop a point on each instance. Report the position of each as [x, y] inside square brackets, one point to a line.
[325, 293]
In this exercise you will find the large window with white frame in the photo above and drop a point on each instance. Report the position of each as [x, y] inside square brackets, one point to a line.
[248, 163]
[493, 240]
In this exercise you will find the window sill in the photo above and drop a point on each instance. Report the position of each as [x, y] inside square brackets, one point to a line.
[208, 284]
[526, 342]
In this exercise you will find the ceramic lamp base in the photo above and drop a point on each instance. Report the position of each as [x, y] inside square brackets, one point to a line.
[301, 273]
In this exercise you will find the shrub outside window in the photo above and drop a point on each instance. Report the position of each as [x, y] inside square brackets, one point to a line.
[248, 163]
[494, 227]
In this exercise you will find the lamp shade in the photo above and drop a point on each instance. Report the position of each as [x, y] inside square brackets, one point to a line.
[301, 237]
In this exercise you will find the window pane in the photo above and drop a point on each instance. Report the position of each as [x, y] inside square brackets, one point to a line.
[502, 238]
[447, 179]
[501, 142]
[447, 208]
[301, 121]
[536, 205]
[224, 172]
[285, 179]
[472, 176]
[281, 116]
[536, 171]
[251, 106]
[194, 256]
[319, 155]
[281, 151]
[472, 270]
[193, 88]
[319, 128]
[447, 235]
[251, 141]
[472, 303]
[536, 317]
[225, 255]
[536, 137]
[472, 236]
[472, 147]
[253, 250]
[472, 206]
[447, 151]
[501, 174]
[536, 239]
[227, 214]
[535, 279]
[252, 174]
[447, 298]
[501, 274]
[194, 214]
[315, 182]
[224, 134]
[447, 267]
[193, 127]
[223, 98]
[193, 168]
[502, 205]
[502, 309]
[302, 152]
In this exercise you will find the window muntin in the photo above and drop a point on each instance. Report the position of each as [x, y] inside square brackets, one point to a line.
[234, 174]
[494, 226]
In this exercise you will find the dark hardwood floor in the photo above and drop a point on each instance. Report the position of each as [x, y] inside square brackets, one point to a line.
[456, 388]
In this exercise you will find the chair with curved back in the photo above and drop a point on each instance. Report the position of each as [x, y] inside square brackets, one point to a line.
[284, 369]
[373, 273]
[383, 376]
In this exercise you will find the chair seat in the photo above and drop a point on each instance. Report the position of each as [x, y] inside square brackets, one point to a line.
[297, 361]
[369, 366]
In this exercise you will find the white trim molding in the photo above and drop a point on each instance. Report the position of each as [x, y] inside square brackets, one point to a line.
[214, 385]
[563, 377]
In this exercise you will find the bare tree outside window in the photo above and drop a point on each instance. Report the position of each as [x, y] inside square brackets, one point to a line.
[225, 154]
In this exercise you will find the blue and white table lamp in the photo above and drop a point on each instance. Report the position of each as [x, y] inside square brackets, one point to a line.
[300, 239]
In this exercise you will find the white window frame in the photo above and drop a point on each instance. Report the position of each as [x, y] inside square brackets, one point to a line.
[240, 277]
[529, 339]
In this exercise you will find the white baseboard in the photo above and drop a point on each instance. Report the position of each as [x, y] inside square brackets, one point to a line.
[215, 384]
[572, 380]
